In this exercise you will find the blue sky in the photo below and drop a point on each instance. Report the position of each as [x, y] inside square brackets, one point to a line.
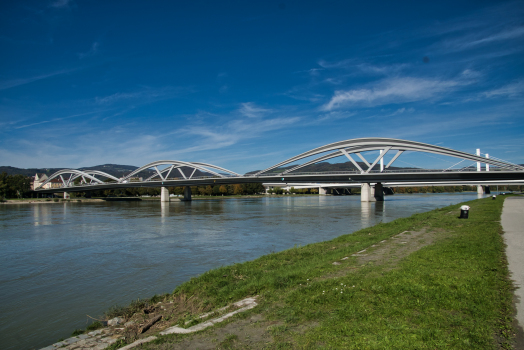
[247, 84]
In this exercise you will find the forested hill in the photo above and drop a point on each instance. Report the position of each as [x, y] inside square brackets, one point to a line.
[327, 167]
[111, 169]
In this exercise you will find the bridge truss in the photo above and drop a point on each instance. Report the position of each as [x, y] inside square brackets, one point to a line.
[349, 148]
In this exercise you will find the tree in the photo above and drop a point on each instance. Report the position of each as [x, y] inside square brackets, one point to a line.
[12, 186]
[237, 189]
[222, 189]
[3, 185]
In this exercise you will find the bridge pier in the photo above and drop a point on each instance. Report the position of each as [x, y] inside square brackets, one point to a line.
[324, 190]
[480, 189]
[164, 194]
[187, 194]
[365, 193]
[379, 192]
[370, 193]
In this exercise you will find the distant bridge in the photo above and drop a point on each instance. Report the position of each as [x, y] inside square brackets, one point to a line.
[369, 179]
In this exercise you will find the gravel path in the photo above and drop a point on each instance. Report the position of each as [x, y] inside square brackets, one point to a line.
[512, 221]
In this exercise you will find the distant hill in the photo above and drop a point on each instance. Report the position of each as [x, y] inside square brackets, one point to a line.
[327, 167]
[111, 169]
[27, 172]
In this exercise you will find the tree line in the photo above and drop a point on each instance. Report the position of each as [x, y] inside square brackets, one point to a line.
[216, 190]
[14, 186]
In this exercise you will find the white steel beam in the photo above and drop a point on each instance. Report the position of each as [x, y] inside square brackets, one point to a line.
[394, 158]
[363, 159]
[351, 159]
[380, 156]
[181, 172]
[159, 174]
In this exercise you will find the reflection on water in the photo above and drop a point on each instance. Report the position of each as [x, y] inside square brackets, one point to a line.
[63, 261]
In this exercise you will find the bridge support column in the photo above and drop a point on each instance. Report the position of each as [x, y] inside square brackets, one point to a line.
[480, 189]
[187, 193]
[66, 195]
[164, 194]
[323, 190]
[379, 192]
[365, 193]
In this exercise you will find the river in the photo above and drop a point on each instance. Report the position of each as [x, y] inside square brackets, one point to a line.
[63, 261]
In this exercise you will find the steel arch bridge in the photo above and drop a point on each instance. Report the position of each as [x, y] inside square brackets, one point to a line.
[95, 180]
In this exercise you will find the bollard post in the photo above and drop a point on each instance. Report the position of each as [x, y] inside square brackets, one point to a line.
[464, 212]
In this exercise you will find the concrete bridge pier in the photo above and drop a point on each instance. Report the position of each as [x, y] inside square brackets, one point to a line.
[379, 192]
[164, 194]
[480, 189]
[370, 193]
[187, 194]
[366, 193]
[324, 190]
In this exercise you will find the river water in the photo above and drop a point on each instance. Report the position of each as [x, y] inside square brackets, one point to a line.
[63, 261]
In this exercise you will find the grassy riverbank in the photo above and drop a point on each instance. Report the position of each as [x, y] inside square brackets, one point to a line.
[430, 281]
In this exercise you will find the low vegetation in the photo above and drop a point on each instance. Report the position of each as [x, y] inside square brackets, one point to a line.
[430, 281]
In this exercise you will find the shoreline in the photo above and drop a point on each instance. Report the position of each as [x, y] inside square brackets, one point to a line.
[355, 259]
[175, 199]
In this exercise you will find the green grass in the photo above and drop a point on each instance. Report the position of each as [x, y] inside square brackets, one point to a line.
[452, 294]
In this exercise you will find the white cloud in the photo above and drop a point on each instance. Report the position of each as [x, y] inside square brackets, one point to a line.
[59, 4]
[392, 90]
[144, 95]
[511, 90]
[236, 130]
[484, 38]
[338, 64]
[249, 110]
[91, 52]
[23, 81]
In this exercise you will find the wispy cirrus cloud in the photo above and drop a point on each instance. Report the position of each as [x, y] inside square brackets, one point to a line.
[237, 130]
[485, 37]
[144, 95]
[393, 90]
[93, 50]
[60, 4]
[512, 90]
[250, 110]
[7, 84]
[357, 66]
[57, 119]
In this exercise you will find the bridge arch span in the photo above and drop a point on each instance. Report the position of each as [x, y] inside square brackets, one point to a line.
[74, 174]
[356, 146]
[177, 164]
